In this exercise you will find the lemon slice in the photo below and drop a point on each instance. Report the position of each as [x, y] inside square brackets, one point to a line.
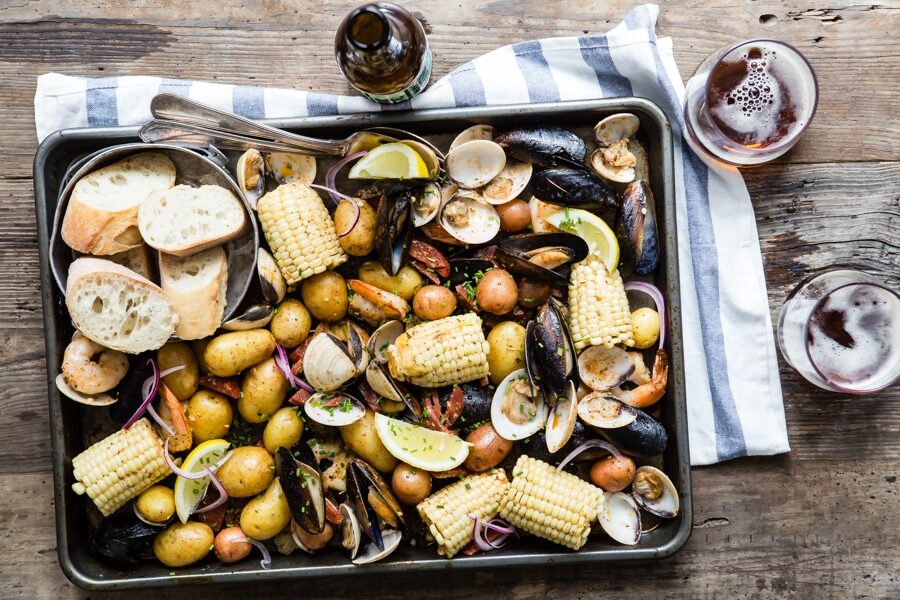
[600, 238]
[189, 492]
[420, 447]
[390, 161]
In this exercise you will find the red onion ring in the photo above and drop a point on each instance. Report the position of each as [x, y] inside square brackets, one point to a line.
[331, 173]
[191, 476]
[284, 365]
[497, 525]
[654, 293]
[159, 420]
[587, 446]
[147, 395]
[267, 558]
[223, 495]
[330, 190]
[356, 213]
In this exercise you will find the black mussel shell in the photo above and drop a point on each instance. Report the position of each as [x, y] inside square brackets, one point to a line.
[361, 477]
[645, 436]
[575, 188]
[637, 228]
[511, 253]
[544, 146]
[394, 227]
[536, 445]
[123, 539]
[477, 404]
[130, 395]
[465, 269]
[549, 353]
[301, 483]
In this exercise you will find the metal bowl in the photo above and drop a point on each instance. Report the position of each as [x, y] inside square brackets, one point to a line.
[193, 168]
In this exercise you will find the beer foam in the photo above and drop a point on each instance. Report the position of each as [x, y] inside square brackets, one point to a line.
[854, 337]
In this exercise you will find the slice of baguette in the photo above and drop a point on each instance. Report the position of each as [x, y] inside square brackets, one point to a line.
[101, 217]
[185, 220]
[118, 308]
[136, 259]
[197, 285]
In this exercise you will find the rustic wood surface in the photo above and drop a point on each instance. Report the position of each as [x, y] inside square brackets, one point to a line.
[820, 522]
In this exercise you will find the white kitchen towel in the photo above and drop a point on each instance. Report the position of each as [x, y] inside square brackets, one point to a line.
[733, 390]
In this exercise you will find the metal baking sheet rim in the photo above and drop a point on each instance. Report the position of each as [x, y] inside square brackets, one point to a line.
[544, 112]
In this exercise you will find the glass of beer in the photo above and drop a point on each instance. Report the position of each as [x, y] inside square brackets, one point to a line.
[750, 103]
[840, 329]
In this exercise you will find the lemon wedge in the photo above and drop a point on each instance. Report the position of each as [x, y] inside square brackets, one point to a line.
[390, 161]
[420, 447]
[189, 492]
[600, 238]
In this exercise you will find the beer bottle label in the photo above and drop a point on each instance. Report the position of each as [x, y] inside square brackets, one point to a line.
[414, 88]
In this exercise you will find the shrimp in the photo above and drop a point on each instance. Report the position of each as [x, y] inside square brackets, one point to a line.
[90, 368]
[648, 393]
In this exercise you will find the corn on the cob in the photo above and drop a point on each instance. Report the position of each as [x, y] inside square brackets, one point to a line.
[447, 512]
[300, 231]
[120, 467]
[442, 352]
[550, 504]
[598, 306]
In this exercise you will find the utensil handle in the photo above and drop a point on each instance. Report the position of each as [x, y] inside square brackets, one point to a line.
[200, 137]
[180, 110]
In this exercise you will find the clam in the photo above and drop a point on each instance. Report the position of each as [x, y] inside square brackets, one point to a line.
[311, 542]
[372, 553]
[575, 188]
[330, 362]
[256, 316]
[615, 162]
[475, 163]
[475, 132]
[637, 229]
[603, 368]
[301, 483]
[425, 205]
[620, 518]
[616, 127]
[631, 429]
[518, 410]
[250, 173]
[544, 146]
[394, 227]
[654, 492]
[274, 287]
[334, 409]
[468, 219]
[561, 420]
[351, 533]
[508, 184]
[605, 412]
[550, 358]
[542, 256]
[372, 501]
[287, 167]
[383, 337]
[87, 399]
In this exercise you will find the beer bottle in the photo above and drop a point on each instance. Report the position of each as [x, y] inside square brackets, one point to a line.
[382, 51]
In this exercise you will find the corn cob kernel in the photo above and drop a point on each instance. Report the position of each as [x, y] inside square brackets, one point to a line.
[299, 231]
[442, 352]
[447, 512]
[120, 467]
[550, 504]
[598, 306]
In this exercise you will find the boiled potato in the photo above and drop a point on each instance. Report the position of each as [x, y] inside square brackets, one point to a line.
[266, 515]
[232, 545]
[263, 390]
[434, 302]
[228, 354]
[156, 504]
[507, 352]
[182, 544]
[183, 382]
[410, 485]
[209, 415]
[497, 292]
[362, 438]
[645, 322]
[404, 284]
[325, 296]
[361, 239]
[248, 472]
[283, 430]
[488, 449]
[291, 323]
[515, 215]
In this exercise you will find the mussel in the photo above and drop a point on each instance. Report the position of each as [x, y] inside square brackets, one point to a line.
[637, 228]
[542, 256]
[550, 358]
[476, 404]
[274, 287]
[372, 500]
[544, 146]
[631, 429]
[536, 445]
[394, 226]
[123, 539]
[254, 317]
[574, 187]
[301, 483]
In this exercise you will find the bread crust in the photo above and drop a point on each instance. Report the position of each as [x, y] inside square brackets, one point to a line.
[200, 311]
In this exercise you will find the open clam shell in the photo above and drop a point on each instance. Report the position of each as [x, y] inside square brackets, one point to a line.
[468, 219]
[475, 163]
[616, 127]
[475, 132]
[518, 410]
[620, 518]
[250, 173]
[603, 368]
[610, 171]
[426, 205]
[605, 412]
[330, 363]
[334, 409]
[383, 337]
[274, 287]
[654, 492]
[372, 553]
[287, 167]
[87, 399]
[508, 184]
[351, 533]
[561, 420]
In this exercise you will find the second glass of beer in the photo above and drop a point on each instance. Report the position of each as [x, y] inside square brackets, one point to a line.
[750, 103]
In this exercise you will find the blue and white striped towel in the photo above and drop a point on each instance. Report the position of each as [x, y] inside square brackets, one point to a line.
[734, 393]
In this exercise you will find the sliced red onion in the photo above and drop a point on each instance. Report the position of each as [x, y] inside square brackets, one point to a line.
[159, 420]
[331, 191]
[331, 174]
[587, 446]
[354, 220]
[654, 293]
[284, 365]
[186, 474]
[497, 525]
[267, 558]
[223, 495]
[148, 395]
[170, 370]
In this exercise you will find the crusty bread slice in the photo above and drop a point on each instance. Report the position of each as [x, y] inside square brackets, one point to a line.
[101, 217]
[184, 220]
[118, 308]
[136, 259]
[197, 285]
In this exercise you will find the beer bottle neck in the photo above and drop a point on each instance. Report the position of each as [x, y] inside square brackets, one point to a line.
[369, 30]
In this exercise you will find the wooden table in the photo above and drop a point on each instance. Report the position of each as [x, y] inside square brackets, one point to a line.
[819, 522]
